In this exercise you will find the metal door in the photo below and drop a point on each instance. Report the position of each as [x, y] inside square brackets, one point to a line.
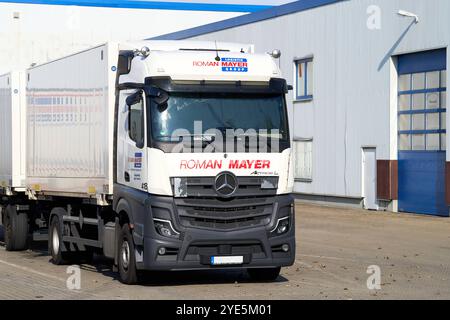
[422, 96]
[370, 178]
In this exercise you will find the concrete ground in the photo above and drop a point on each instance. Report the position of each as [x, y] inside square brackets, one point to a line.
[335, 248]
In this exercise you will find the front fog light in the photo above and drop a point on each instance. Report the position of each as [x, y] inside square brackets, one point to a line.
[281, 227]
[165, 229]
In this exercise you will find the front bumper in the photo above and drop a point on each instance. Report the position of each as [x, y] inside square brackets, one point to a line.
[195, 247]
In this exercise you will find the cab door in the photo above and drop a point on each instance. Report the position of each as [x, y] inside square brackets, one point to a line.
[132, 140]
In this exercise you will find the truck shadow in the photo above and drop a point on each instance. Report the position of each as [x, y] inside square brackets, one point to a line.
[157, 278]
[179, 278]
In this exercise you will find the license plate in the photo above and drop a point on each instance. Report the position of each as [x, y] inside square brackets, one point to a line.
[227, 260]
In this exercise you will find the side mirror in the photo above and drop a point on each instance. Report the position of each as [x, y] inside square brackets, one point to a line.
[290, 87]
[159, 96]
[134, 98]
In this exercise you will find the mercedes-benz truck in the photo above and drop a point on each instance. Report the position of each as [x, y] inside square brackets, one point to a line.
[161, 155]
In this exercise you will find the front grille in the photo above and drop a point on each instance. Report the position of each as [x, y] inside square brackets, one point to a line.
[218, 214]
[204, 186]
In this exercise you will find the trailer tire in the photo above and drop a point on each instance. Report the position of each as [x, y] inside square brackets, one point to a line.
[264, 274]
[55, 241]
[127, 259]
[16, 229]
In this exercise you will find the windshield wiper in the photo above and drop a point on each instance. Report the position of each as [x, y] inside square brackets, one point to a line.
[205, 139]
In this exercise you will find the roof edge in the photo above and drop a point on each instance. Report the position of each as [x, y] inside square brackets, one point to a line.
[154, 4]
[270, 13]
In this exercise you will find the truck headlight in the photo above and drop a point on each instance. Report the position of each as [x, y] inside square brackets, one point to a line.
[165, 228]
[281, 227]
[269, 183]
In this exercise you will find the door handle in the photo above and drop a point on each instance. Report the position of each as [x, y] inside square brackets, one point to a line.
[127, 176]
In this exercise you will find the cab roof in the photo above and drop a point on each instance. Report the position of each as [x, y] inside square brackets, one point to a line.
[208, 65]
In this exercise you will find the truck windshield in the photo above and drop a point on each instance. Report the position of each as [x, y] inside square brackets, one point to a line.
[184, 113]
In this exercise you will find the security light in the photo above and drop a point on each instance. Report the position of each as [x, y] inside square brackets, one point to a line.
[409, 15]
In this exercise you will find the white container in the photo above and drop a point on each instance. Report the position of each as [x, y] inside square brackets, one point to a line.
[70, 111]
[12, 132]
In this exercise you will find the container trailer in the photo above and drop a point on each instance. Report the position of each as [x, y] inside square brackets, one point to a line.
[124, 150]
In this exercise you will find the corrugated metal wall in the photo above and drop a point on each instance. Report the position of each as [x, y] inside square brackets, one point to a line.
[354, 78]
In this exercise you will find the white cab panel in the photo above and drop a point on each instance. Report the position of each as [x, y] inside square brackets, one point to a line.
[163, 166]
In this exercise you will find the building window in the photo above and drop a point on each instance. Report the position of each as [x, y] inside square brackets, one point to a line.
[422, 111]
[303, 160]
[304, 79]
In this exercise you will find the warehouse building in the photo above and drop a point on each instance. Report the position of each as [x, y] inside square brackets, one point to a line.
[368, 110]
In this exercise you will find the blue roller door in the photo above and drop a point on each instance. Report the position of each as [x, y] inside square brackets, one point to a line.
[422, 132]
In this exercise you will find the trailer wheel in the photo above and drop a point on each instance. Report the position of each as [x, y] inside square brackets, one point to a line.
[127, 259]
[16, 229]
[264, 274]
[55, 243]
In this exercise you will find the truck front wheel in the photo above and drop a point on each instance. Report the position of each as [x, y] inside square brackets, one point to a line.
[264, 274]
[16, 229]
[127, 259]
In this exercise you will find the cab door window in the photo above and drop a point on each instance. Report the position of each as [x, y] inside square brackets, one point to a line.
[136, 119]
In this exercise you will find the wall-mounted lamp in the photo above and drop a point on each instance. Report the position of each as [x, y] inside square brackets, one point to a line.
[404, 13]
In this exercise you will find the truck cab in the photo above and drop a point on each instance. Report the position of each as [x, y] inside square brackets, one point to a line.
[203, 170]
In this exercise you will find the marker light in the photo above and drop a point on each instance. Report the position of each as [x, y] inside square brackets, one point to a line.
[276, 54]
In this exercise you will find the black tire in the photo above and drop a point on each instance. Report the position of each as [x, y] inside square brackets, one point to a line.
[55, 242]
[264, 274]
[127, 260]
[16, 229]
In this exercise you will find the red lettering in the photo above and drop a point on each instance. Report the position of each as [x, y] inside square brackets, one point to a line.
[234, 164]
[249, 164]
[197, 164]
[205, 64]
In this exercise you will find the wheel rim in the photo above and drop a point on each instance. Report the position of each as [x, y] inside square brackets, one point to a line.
[125, 254]
[55, 240]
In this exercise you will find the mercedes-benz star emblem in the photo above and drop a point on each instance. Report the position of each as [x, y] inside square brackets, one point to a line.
[225, 184]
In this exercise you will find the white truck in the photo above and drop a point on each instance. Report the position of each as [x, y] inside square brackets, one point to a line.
[161, 155]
